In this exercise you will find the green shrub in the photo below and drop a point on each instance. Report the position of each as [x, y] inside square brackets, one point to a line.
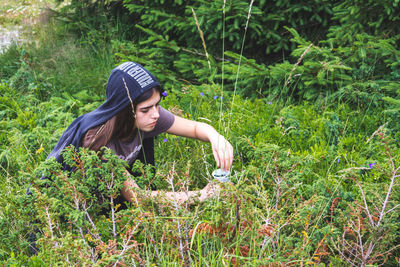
[306, 173]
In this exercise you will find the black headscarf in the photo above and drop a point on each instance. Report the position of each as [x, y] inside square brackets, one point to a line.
[138, 80]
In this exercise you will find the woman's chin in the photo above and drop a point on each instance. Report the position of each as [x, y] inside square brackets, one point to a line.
[147, 128]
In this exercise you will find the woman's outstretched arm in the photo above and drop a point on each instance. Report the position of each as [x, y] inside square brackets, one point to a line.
[222, 149]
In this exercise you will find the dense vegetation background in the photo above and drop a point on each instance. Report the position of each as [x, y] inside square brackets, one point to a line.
[306, 91]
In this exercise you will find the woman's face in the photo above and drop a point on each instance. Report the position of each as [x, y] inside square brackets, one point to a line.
[147, 112]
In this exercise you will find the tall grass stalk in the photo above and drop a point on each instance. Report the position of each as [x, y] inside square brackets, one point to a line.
[223, 47]
[297, 64]
[240, 61]
[202, 38]
[227, 129]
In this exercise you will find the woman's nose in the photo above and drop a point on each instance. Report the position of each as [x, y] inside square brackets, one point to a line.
[155, 114]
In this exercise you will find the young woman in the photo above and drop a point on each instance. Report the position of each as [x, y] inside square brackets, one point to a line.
[128, 121]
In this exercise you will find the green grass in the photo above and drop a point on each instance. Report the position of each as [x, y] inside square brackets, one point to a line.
[294, 187]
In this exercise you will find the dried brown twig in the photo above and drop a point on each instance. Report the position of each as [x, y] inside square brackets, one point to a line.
[366, 230]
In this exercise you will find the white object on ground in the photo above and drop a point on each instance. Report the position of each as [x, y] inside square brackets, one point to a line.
[221, 175]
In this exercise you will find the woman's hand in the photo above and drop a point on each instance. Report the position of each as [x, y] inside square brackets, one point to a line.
[222, 151]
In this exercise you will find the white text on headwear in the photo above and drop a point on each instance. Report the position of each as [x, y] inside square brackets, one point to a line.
[141, 76]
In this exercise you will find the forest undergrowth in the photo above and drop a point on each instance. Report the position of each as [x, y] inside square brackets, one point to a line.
[315, 179]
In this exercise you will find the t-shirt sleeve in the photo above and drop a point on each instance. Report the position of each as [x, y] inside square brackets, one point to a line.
[164, 122]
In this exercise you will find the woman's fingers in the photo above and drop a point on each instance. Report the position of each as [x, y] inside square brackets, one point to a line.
[216, 157]
[229, 157]
[223, 154]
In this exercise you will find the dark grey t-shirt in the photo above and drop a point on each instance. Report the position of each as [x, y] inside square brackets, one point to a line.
[129, 150]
